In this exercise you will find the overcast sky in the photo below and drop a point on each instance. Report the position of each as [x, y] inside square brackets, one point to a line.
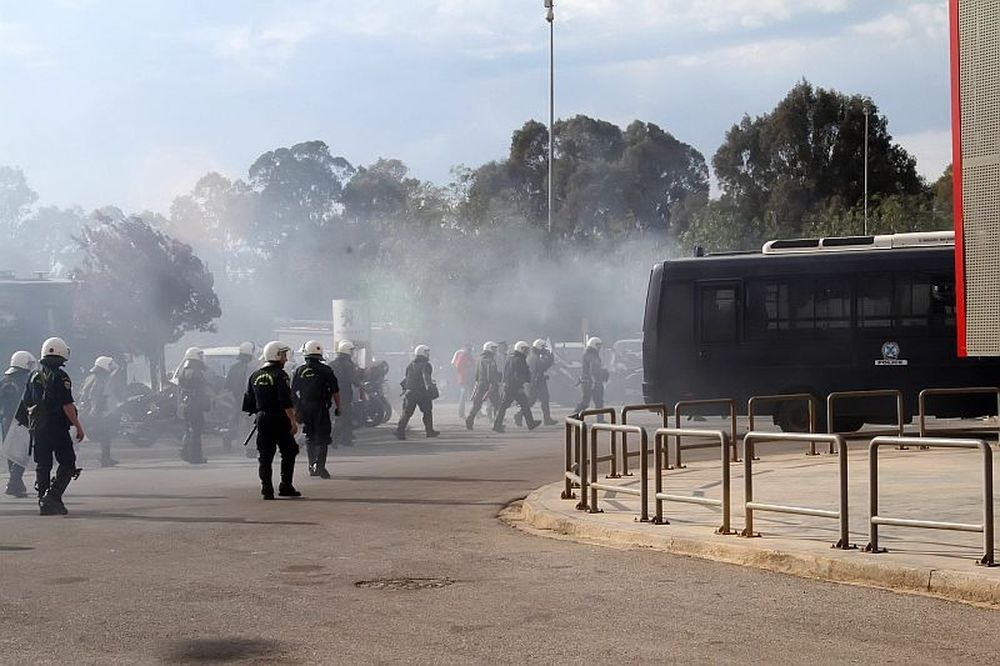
[128, 103]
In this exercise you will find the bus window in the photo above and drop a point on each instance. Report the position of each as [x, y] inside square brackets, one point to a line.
[875, 301]
[718, 314]
[773, 307]
[925, 301]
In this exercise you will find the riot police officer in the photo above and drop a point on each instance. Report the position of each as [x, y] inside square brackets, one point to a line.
[48, 405]
[99, 407]
[193, 401]
[515, 376]
[314, 389]
[593, 375]
[487, 381]
[540, 359]
[11, 390]
[348, 376]
[419, 390]
[269, 396]
[236, 382]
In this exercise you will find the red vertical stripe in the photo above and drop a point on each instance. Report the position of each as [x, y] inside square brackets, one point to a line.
[956, 171]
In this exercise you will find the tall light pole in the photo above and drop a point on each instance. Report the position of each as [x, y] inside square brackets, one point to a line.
[867, 110]
[550, 17]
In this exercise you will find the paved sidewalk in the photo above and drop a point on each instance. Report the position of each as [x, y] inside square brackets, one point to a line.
[940, 485]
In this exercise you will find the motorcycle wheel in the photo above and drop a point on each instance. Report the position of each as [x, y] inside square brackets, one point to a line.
[385, 412]
[142, 441]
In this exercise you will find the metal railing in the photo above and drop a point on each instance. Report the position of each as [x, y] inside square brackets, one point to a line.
[575, 434]
[613, 414]
[875, 393]
[874, 519]
[656, 408]
[922, 410]
[808, 398]
[712, 402]
[594, 485]
[749, 505]
[661, 445]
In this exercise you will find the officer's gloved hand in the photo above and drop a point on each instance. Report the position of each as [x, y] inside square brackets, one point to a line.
[336, 412]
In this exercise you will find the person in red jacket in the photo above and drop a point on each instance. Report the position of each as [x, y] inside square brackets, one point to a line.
[465, 375]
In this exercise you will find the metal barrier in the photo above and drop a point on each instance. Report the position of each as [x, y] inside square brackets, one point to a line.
[714, 402]
[574, 429]
[874, 520]
[922, 411]
[656, 408]
[594, 485]
[750, 505]
[613, 414]
[810, 400]
[660, 444]
[876, 393]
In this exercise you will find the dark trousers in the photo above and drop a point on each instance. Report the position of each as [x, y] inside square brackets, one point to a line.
[410, 404]
[343, 430]
[15, 483]
[591, 393]
[540, 393]
[274, 433]
[194, 425]
[53, 443]
[479, 395]
[317, 429]
[512, 395]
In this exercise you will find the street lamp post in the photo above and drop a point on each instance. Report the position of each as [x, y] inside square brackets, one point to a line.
[867, 110]
[550, 17]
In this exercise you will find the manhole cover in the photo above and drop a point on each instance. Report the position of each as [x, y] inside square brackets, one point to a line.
[405, 583]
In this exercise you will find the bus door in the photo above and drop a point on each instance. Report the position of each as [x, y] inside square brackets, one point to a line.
[718, 324]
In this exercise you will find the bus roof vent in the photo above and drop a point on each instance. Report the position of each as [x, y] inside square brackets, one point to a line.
[849, 243]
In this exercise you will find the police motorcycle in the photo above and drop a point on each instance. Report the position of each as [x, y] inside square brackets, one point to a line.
[149, 416]
[372, 408]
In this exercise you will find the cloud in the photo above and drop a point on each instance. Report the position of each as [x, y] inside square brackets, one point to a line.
[932, 148]
[920, 21]
[263, 49]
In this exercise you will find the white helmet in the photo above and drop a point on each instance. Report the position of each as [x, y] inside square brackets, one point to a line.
[312, 348]
[521, 346]
[490, 346]
[540, 344]
[194, 354]
[273, 351]
[594, 343]
[105, 363]
[55, 347]
[247, 348]
[345, 347]
[422, 350]
[23, 360]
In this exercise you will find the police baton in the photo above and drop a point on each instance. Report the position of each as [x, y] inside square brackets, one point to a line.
[253, 431]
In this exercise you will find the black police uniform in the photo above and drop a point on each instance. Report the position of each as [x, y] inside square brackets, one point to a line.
[313, 387]
[592, 378]
[11, 390]
[419, 390]
[48, 391]
[515, 376]
[487, 385]
[539, 362]
[268, 395]
[348, 376]
[193, 402]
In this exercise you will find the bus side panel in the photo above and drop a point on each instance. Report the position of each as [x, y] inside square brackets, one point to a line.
[651, 391]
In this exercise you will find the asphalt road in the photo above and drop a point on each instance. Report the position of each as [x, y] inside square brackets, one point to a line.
[160, 562]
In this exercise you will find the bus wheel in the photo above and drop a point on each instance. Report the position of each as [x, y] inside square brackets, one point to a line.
[792, 416]
[848, 423]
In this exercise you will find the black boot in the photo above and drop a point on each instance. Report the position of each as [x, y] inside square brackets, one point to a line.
[321, 470]
[285, 488]
[399, 433]
[266, 485]
[42, 483]
[470, 421]
[15, 485]
[51, 504]
[312, 452]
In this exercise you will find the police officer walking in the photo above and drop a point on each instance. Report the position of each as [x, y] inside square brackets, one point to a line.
[515, 376]
[269, 396]
[236, 383]
[540, 359]
[99, 407]
[314, 389]
[193, 401]
[11, 391]
[487, 381]
[348, 376]
[593, 375]
[419, 390]
[48, 406]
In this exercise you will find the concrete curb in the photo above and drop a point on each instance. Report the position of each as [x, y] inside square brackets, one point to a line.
[536, 514]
